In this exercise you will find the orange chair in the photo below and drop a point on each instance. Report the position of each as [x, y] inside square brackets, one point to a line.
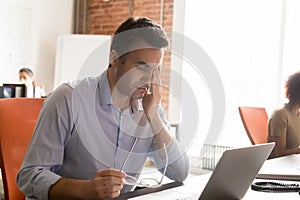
[255, 121]
[18, 117]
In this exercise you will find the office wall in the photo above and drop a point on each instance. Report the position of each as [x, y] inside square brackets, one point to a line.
[47, 19]
[104, 17]
[15, 40]
[50, 17]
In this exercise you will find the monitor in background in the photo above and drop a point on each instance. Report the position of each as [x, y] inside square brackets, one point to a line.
[16, 90]
[13, 90]
[1, 92]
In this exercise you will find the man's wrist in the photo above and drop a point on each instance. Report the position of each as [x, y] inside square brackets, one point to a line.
[156, 124]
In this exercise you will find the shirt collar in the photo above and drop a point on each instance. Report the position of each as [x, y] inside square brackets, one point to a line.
[105, 93]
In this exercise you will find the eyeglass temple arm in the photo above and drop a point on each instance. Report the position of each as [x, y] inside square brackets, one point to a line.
[130, 151]
[166, 163]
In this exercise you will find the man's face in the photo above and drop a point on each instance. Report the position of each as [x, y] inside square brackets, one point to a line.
[134, 71]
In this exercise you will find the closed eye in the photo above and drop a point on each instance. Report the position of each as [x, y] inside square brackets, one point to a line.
[143, 67]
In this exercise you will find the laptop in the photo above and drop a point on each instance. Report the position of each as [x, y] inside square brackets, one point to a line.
[235, 172]
[231, 178]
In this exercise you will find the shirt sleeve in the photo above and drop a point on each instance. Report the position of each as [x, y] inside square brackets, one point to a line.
[278, 124]
[178, 166]
[46, 150]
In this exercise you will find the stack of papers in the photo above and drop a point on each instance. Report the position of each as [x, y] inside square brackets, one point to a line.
[283, 168]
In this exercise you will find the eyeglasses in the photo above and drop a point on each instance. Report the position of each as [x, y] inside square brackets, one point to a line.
[145, 182]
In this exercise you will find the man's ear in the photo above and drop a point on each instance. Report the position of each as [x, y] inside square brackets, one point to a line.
[113, 57]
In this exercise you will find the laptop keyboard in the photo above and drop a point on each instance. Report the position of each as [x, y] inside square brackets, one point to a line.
[191, 197]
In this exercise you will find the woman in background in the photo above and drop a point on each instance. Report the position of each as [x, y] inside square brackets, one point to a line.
[284, 123]
[27, 77]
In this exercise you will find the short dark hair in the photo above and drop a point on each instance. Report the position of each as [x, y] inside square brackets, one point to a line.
[293, 88]
[138, 28]
[28, 71]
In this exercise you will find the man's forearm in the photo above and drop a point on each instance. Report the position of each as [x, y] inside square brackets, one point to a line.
[161, 133]
[105, 184]
[66, 188]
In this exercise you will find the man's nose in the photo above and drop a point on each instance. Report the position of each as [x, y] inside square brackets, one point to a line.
[144, 79]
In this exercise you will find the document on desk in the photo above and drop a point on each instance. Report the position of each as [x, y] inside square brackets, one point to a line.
[282, 168]
[290, 174]
[193, 186]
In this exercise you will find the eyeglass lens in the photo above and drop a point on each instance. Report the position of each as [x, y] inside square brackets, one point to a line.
[130, 180]
[146, 182]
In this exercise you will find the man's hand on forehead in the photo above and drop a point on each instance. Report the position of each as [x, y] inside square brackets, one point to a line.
[156, 80]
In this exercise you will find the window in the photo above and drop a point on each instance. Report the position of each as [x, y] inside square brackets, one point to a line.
[254, 45]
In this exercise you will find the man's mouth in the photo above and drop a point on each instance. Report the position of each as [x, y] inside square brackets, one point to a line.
[144, 87]
[142, 90]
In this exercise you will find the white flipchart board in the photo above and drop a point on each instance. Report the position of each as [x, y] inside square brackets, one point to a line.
[79, 56]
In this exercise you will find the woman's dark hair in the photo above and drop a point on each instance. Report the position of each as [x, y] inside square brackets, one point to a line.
[134, 29]
[28, 71]
[293, 88]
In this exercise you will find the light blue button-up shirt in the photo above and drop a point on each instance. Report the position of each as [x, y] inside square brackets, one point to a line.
[80, 132]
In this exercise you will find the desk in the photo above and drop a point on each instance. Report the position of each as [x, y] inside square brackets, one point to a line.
[196, 184]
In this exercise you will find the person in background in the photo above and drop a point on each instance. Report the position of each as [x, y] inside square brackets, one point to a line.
[284, 123]
[92, 133]
[27, 77]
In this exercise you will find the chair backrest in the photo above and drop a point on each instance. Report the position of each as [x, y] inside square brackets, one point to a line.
[18, 117]
[255, 121]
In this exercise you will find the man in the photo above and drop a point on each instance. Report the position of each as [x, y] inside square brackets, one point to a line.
[92, 133]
